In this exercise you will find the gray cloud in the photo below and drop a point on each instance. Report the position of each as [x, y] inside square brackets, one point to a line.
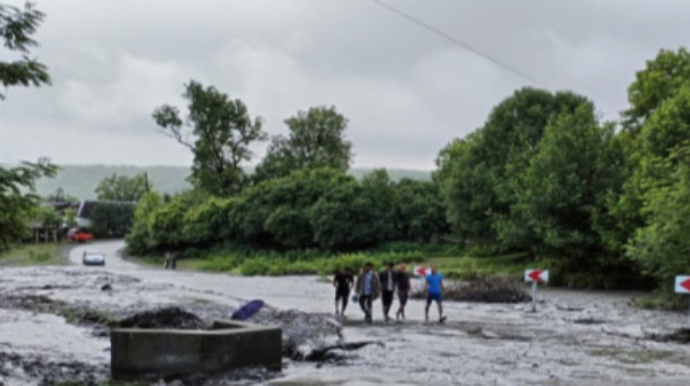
[406, 91]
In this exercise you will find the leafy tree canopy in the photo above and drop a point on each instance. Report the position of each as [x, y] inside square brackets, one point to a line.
[660, 80]
[219, 131]
[16, 29]
[17, 207]
[316, 140]
[122, 188]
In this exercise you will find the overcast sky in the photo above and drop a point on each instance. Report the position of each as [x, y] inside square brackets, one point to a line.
[406, 91]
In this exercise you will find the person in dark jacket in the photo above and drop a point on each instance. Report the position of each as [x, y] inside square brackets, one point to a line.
[403, 288]
[343, 283]
[387, 278]
[368, 289]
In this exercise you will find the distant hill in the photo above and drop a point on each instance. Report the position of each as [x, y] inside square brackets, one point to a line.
[81, 180]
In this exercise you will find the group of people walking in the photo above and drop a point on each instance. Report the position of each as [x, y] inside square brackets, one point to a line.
[369, 286]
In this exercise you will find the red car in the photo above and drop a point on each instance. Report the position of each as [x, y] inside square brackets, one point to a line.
[78, 236]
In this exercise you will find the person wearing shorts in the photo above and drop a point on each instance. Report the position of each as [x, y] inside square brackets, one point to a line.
[343, 283]
[404, 288]
[434, 292]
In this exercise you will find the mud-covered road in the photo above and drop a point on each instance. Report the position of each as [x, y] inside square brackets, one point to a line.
[576, 338]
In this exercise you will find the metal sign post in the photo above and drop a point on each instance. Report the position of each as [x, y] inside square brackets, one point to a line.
[683, 287]
[534, 296]
[536, 276]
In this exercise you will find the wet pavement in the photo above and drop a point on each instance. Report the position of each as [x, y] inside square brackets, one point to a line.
[575, 337]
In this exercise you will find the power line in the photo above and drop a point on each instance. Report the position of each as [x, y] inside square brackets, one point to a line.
[456, 41]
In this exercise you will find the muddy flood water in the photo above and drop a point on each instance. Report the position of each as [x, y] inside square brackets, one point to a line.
[53, 327]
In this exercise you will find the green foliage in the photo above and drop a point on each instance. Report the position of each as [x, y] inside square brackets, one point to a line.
[469, 267]
[48, 217]
[600, 208]
[122, 188]
[70, 217]
[112, 218]
[32, 255]
[563, 185]
[140, 239]
[316, 140]
[659, 81]
[661, 247]
[480, 175]
[220, 135]
[208, 222]
[318, 208]
[311, 263]
[16, 205]
[16, 29]
[420, 211]
[166, 224]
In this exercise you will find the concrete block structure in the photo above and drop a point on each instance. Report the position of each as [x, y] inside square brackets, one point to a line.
[150, 354]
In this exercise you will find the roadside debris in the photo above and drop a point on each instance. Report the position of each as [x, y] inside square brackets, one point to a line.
[485, 290]
[164, 318]
[681, 335]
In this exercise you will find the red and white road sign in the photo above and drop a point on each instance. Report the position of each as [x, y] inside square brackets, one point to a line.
[683, 284]
[536, 275]
[422, 271]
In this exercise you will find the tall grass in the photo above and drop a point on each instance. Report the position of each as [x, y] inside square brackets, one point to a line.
[248, 261]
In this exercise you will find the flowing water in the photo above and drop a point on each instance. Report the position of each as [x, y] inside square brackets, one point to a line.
[574, 338]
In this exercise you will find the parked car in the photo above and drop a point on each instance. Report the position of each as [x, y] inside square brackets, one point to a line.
[93, 258]
[78, 236]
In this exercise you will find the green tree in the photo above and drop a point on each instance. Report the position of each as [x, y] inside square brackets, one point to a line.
[381, 199]
[122, 188]
[112, 218]
[650, 164]
[566, 184]
[316, 140]
[48, 217]
[661, 246]
[420, 211]
[479, 175]
[660, 80]
[277, 211]
[140, 238]
[208, 222]
[16, 28]
[16, 205]
[219, 131]
[70, 217]
[467, 193]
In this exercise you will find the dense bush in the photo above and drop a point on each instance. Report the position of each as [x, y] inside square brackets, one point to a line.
[322, 209]
[112, 218]
[600, 207]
